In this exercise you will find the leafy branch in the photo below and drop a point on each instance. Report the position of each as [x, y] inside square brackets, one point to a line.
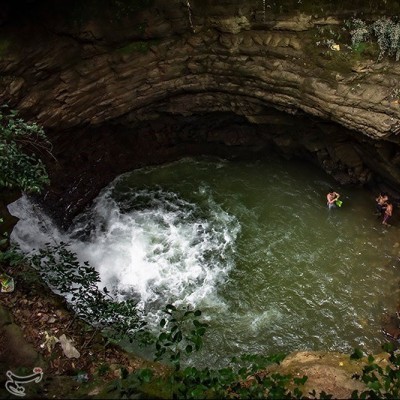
[79, 283]
[181, 333]
[382, 383]
[20, 143]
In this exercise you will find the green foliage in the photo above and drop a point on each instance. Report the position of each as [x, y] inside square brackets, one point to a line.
[235, 381]
[20, 141]
[4, 240]
[382, 383]
[247, 377]
[12, 256]
[357, 354]
[62, 271]
[129, 385]
[20, 166]
[103, 369]
[365, 49]
[359, 32]
[385, 31]
[181, 333]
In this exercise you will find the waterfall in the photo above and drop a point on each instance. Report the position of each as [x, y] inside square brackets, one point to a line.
[147, 244]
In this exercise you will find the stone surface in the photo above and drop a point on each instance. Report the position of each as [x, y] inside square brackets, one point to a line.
[328, 372]
[76, 73]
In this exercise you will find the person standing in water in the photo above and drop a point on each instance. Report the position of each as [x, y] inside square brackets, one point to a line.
[331, 198]
[388, 213]
[381, 203]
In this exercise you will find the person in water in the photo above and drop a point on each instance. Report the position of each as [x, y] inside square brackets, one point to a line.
[331, 198]
[381, 201]
[388, 213]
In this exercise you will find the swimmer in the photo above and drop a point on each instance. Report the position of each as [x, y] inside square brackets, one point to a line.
[388, 213]
[331, 198]
[381, 203]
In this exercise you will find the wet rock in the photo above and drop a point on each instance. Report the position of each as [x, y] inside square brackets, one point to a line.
[328, 372]
[391, 326]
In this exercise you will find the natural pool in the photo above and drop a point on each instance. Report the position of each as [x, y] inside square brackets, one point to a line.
[250, 243]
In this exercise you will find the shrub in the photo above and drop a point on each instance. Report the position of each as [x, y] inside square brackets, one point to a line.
[79, 283]
[360, 32]
[387, 35]
[385, 31]
[20, 142]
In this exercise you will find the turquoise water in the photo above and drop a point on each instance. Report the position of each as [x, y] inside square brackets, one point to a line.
[251, 244]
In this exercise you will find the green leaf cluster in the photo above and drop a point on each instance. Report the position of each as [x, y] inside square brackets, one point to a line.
[382, 382]
[79, 283]
[181, 333]
[385, 31]
[20, 143]
[12, 256]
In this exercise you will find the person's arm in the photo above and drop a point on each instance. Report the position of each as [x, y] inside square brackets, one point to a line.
[330, 199]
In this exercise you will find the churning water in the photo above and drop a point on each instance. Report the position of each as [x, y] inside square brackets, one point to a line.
[251, 244]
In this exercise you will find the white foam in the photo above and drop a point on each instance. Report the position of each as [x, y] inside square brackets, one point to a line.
[34, 228]
[151, 245]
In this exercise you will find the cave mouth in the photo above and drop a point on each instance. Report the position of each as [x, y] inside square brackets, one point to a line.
[90, 158]
[250, 243]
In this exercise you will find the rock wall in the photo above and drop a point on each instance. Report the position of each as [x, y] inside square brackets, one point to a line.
[127, 75]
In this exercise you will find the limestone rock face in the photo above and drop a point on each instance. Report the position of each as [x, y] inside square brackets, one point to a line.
[85, 68]
[71, 76]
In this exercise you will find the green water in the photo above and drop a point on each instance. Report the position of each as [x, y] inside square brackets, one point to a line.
[251, 244]
[297, 276]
